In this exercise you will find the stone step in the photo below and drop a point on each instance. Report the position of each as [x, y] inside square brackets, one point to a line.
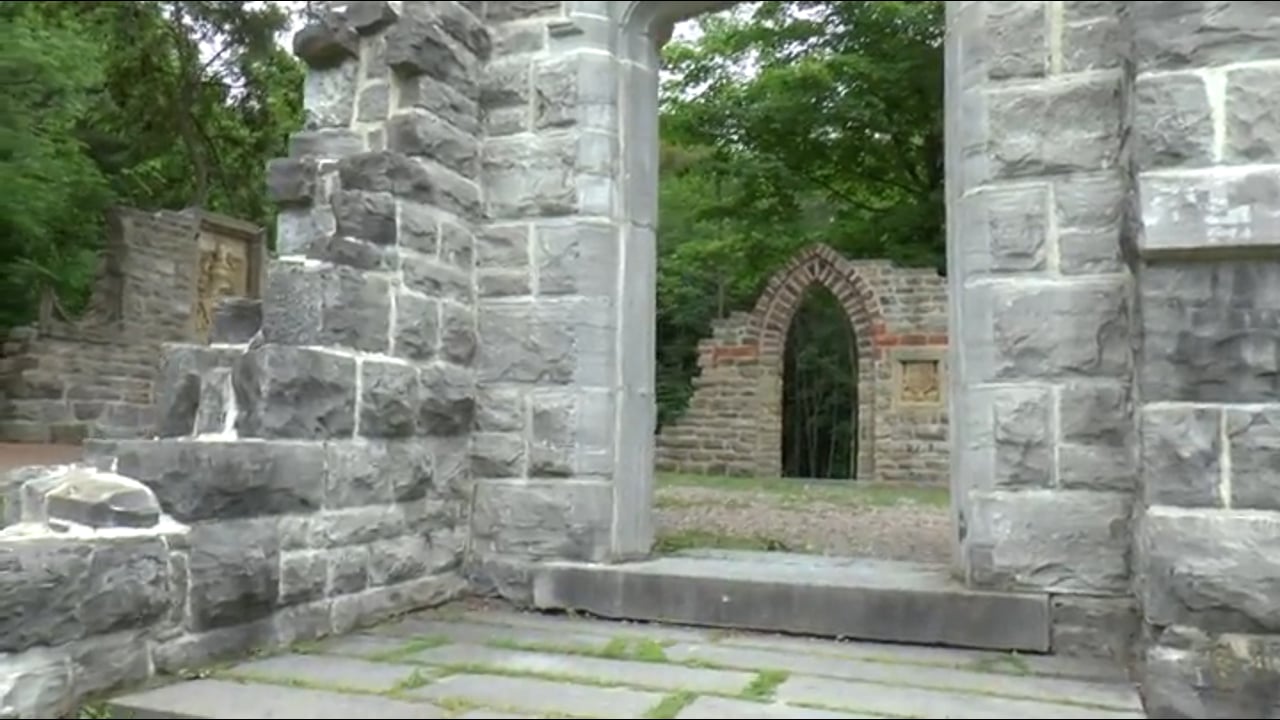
[854, 598]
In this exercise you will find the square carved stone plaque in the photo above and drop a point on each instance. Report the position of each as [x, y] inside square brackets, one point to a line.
[920, 381]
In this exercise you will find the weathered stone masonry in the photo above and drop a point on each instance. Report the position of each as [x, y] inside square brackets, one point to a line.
[456, 352]
[898, 319]
[63, 380]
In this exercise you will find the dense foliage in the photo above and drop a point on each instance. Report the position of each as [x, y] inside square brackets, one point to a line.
[783, 123]
[149, 104]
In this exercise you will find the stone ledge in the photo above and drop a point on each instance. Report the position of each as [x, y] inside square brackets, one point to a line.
[1210, 213]
[848, 598]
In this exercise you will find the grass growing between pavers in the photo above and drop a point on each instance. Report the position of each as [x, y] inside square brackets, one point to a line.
[765, 685]
[671, 705]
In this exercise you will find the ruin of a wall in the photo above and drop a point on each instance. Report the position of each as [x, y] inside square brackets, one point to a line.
[898, 320]
[1112, 350]
[65, 379]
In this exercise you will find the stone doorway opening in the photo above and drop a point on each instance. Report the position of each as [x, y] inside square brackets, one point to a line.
[819, 392]
[818, 308]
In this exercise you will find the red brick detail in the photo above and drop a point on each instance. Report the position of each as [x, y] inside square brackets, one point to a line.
[730, 354]
[786, 290]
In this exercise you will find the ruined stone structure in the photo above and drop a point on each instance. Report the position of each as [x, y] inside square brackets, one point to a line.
[898, 320]
[67, 379]
[455, 368]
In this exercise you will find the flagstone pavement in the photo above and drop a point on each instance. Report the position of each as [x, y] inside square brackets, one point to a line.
[459, 663]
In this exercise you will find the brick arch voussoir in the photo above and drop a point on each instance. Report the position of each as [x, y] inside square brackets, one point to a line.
[784, 292]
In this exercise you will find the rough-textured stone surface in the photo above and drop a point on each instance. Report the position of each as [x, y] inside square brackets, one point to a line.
[96, 376]
[733, 424]
[472, 203]
[866, 599]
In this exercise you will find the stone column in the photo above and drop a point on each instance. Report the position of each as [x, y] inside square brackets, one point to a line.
[1207, 164]
[323, 464]
[563, 452]
[1043, 464]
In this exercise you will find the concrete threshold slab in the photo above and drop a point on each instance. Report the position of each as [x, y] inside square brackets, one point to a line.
[854, 598]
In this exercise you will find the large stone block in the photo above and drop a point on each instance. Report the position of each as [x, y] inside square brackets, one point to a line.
[36, 684]
[576, 90]
[1009, 229]
[1016, 45]
[1097, 449]
[371, 472]
[577, 259]
[327, 306]
[1022, 437]
[1193, 675]
[420, 45]
[179, 385]
[221, 480]
[1055, 540]
[1173, 121]
[55, 590]
[556, 519]
[1252, 116]
[445, 101]
[1216, 569]
[367, 216]
[1253, 437]
[1176, 35]
[1210, 211]
[516, 347]
[410, 178]
[498, 455]
[1048, 330]
[435, 279]
[417, 327]
[235, 572]
[425, 134]
[329, 96]
[296, 393]
[1064, 126]
[448, 399]
[389, 399]
[1210, 332]
[526, 177]
[1181, 455]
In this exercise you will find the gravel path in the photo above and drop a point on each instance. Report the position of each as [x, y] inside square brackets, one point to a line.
[913, 526]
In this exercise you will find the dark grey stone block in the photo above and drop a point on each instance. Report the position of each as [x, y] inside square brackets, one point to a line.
[864, 599]
[295, 393]
[236, 320]
[54, 591]
[222, 480]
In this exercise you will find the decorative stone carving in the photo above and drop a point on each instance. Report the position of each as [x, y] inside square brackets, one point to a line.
[920, 383]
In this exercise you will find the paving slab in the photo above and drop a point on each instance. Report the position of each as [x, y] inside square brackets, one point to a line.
[883, 699]
[540, 696]
[328, 670]
[836, 597]
[1032, 663]
[1115, 695]
[656, 675]
[541, 621]
[706, 708]
[210, 698]
[474, 680]
[480, 633]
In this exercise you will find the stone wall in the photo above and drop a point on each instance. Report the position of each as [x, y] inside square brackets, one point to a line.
[1205, 164]
[67, 379]
[320, 461]
[898, 318]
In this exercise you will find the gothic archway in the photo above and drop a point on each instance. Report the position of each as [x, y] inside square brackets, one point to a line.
[772, 318]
